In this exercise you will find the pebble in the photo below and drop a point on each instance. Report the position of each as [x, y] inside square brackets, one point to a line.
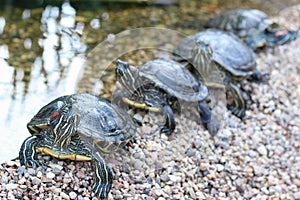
[4, 179]
[21, 170]
[190, 152]
[158, 192]
[174, 178]
[11, 186]
[64, 196]
[11, 163]
[31, 171]
[296, 181]
[164, 178]
[71, 167]
[36, 181]
[220, 167]
[262, 150]
[39, 174]
[50, 175]
[22, 181]
[72, 195]
[298, 175]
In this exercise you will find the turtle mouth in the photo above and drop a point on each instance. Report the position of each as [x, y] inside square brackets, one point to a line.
[34, 129]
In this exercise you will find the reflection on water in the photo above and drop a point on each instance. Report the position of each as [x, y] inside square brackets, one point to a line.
[29, 81]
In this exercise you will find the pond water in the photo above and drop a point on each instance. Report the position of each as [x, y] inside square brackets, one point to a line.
[43, 47]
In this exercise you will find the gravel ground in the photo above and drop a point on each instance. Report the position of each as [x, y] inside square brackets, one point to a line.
[257, 158]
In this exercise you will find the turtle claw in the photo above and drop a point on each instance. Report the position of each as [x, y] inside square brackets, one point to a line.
[240, 113]
[33, 163]
[101, 190]
[166, 130]
[27, 154]
[213, 126]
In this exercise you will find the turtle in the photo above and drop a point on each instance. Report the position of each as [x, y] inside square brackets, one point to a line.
[219, 59]
[253, 26]
[158, 85]
[79, 127]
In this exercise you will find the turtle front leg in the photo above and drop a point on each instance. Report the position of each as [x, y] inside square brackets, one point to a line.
[169, 126]
[27, 153]
[208, 119]
[239, 105]
[103, 176]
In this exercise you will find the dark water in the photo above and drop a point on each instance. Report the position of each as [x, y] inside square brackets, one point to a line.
[44, 45]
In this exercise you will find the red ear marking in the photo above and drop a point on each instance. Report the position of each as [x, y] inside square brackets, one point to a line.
[54, 115]
[134, 68]
[280, 33]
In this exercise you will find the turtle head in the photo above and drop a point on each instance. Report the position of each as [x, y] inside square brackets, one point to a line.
[201, 54]
[128, 76]
[42, 119]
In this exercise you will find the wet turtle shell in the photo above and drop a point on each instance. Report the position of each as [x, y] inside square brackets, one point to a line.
[175, 79]
[79, 127]
[100, 120]
[219, 59]
[252, 26]
[158, 85]
[241, 22]
[227, 50]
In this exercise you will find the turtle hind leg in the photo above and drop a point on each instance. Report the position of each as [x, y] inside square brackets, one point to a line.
[169, 125]
[238, 108]
[103, 177]
[258, 77]
[27, 153]
[209, 121]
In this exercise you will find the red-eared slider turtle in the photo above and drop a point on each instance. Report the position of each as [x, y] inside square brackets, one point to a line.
[220, 59]
[79, 127]
[158, 84]
[253, 26]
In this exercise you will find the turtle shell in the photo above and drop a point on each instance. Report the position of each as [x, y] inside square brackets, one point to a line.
[241, 22]
[175, 79]
[228, 51]
[102, 124]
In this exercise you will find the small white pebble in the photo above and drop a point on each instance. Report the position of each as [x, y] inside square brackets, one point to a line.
[64, 196]
[50, 175]
[72, 195]
[39, 174]
[11, 186]
[262, 150]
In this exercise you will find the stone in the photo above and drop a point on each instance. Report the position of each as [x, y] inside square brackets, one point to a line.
[164, 178]
[64, 196]
[11, 186]
[22, 181]
[72, 195]
[220, 167]
[262, 150]
[4, 179]
[36, 181]
[50, 175]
